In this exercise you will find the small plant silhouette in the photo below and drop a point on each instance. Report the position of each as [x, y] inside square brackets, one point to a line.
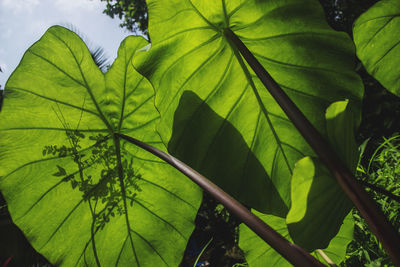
[104, 188]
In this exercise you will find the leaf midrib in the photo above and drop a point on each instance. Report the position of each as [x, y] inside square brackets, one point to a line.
[124, 87]
[259, 101]
[247, 75]
[86, 85]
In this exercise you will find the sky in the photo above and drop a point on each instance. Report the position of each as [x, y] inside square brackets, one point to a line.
[23, 22]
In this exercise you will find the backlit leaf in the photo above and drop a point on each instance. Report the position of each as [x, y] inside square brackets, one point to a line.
[217, 116]
[319, 205]
[101, 214]
[260, 254]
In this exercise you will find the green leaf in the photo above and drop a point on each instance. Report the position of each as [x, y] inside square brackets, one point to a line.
[337, 247]
[248, 147]
[341, 127]
[258, 253]
[61, 171]
[320, 204]
[102, 214]
[377, 39]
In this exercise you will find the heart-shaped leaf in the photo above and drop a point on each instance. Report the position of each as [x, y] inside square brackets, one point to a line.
[377, 38]
[190, 52]
[258, 253]
[82, 196]
[319, 198]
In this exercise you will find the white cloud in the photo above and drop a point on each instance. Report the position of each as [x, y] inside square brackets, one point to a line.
[19, 6]
[38, 27]
[78, 5]
[6, 34]
[19, 32]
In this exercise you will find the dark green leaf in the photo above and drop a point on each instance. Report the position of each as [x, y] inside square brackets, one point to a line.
[61, 171]
[377, 39]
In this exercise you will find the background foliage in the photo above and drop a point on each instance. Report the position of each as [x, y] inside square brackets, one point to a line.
[382, 170]
[132, 12]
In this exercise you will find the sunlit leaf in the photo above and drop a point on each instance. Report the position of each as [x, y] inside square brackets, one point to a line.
[260, 254]
[377, 38]
[207, 97]
[117, 205]
[319, 205]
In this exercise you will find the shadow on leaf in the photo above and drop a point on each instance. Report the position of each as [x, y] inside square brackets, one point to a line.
[210, 144]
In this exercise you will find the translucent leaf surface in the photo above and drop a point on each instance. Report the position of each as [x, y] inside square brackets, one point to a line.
[319, 205]
[260, 254]
[377, 38]
[217, 116]
[81, 196]
[336, 250]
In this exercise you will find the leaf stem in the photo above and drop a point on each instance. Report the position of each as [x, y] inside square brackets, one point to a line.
[375, 218]
[326, 258]
[292, 252]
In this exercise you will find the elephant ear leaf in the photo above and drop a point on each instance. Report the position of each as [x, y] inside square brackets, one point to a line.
[260, 254]
[216, 115]
[81, 196]
[319, 205]
[377, 38]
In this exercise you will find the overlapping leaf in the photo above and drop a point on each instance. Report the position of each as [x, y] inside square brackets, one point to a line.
[258, 253]
[320, 205]
[377, 39]
[207, 97]
[82, 196]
